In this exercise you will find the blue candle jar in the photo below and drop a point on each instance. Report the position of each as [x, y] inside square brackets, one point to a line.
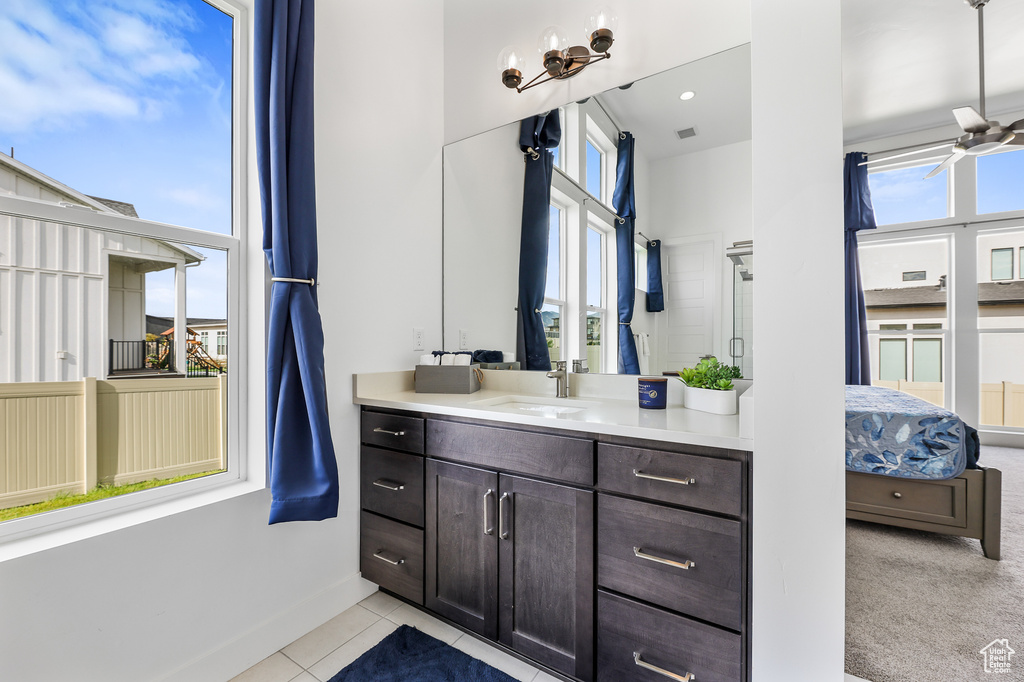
[653, 393]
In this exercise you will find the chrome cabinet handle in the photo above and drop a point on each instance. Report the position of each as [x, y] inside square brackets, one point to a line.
[390, 433]
[502, 530]
[393, 562]
[389, 485]
[652, 477]
[688, 677]
[685, 565]
[488, 523]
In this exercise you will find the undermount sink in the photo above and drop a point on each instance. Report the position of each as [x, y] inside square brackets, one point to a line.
[536, 405]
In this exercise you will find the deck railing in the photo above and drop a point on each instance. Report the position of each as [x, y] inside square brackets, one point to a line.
[128, 356]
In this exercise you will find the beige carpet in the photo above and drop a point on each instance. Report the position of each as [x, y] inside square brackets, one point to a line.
[921, 606]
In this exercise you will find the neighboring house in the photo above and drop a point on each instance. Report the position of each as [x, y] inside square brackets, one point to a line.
[72, 299]
[212, 333]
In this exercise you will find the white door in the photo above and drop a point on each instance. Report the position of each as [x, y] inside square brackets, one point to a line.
[689, 276]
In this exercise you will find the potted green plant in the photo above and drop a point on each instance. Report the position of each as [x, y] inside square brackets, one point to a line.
[708, 387]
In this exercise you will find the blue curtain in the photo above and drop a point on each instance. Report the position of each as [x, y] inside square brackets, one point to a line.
[655, 294]
[538, 135]
[858, 216]
[302, 465]
[624, 203]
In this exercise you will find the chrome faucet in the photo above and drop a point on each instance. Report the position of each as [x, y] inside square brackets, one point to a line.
[559, 373]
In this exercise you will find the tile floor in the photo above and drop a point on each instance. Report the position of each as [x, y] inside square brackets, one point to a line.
[319, 655]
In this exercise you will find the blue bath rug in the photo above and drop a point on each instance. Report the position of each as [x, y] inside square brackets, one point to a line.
[408, 655]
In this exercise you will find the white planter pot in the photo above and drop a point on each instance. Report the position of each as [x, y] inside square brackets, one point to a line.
[706, 400]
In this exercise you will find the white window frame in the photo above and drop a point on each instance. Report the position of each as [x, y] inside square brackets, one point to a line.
[961, 361]
[607, 236]
[563, 207]
[246, 469]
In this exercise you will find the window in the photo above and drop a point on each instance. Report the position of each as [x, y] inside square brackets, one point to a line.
[204, 341]
[902, 195]
[892, 364]
[1002, 264]
[1000, 177]
[596, 309]
[222, 344]
[892, 327]
[640, 266]
[595, 171]
[100, 296]
[552, 310]
[1001, 332]
[914, 276]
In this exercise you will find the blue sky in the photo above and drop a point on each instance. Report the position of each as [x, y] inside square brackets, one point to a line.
[900, 196]
[127, 100]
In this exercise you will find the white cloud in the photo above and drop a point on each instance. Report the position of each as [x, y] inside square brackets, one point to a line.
[196, 197]
[63, 61]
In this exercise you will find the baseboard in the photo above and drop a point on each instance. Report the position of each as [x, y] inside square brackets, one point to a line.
[251, 647]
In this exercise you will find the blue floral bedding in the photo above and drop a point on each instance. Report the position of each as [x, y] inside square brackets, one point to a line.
[896, 434]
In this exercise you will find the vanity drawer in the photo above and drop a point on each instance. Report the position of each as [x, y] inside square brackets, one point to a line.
[631, 634]
[560, 458]
[391, 484]
[704, 576]
[391, 555]
[693, 481]
[942, 502]
[394, 431]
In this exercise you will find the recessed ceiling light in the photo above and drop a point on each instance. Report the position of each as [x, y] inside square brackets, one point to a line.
[687, 95]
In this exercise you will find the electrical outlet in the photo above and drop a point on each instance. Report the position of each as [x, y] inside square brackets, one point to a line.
[417, 338]
[463, 339]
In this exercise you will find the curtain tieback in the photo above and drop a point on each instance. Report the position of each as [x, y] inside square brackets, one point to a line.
[310, 281]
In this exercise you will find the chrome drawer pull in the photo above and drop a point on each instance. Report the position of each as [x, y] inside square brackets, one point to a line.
[897, 495]
[664, 479]
[390, 433]
[488, 523]
[685, 565]
[393, 562]
[389, 485]
[502, 530]
[688, 677]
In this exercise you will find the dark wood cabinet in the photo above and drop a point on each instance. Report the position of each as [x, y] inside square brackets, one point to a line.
[462, 545]
[546, 574]
[512, 559]
[601, 557]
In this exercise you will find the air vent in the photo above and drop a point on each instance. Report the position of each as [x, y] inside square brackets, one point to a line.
[686, 132]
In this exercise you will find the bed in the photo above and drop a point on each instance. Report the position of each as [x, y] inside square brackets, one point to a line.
[915, 465]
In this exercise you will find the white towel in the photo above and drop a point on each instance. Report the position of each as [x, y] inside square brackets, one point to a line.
[462, 359]
[507, 357]
[428, 359]
[448, 359]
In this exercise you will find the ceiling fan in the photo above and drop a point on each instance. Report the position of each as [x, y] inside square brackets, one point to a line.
[981, 136]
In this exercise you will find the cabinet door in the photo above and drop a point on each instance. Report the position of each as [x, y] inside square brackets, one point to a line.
[547, 573]
[462, 545]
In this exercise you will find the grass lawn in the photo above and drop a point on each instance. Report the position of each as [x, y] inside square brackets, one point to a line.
[99, 493]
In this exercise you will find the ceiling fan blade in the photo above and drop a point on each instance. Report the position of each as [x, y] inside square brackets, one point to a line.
[1018, 140]
[900, 156]
[970, 120]
[1017, 126]
[950, 160]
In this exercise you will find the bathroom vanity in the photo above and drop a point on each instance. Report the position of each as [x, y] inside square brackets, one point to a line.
[590, 543]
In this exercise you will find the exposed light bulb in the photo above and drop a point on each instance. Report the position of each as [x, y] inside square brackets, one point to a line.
[689, 94]
[552, 44]
[600, 27]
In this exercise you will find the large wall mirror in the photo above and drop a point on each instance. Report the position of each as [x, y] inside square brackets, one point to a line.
[693, 195]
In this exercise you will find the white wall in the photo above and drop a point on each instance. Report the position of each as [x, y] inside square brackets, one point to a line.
[483, 213]
[203, 595]
[653, 35]
[799, 479]
[706, 192]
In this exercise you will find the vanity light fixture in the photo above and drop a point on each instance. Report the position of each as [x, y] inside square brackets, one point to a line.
[560, 61]
[689, 94]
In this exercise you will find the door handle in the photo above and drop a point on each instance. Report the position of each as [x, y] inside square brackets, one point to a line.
[502, 527]
[488, 523]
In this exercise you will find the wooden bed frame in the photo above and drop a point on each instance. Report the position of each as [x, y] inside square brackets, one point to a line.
[969, 505]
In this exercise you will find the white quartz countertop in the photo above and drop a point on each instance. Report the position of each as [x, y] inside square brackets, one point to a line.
[597, 404]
